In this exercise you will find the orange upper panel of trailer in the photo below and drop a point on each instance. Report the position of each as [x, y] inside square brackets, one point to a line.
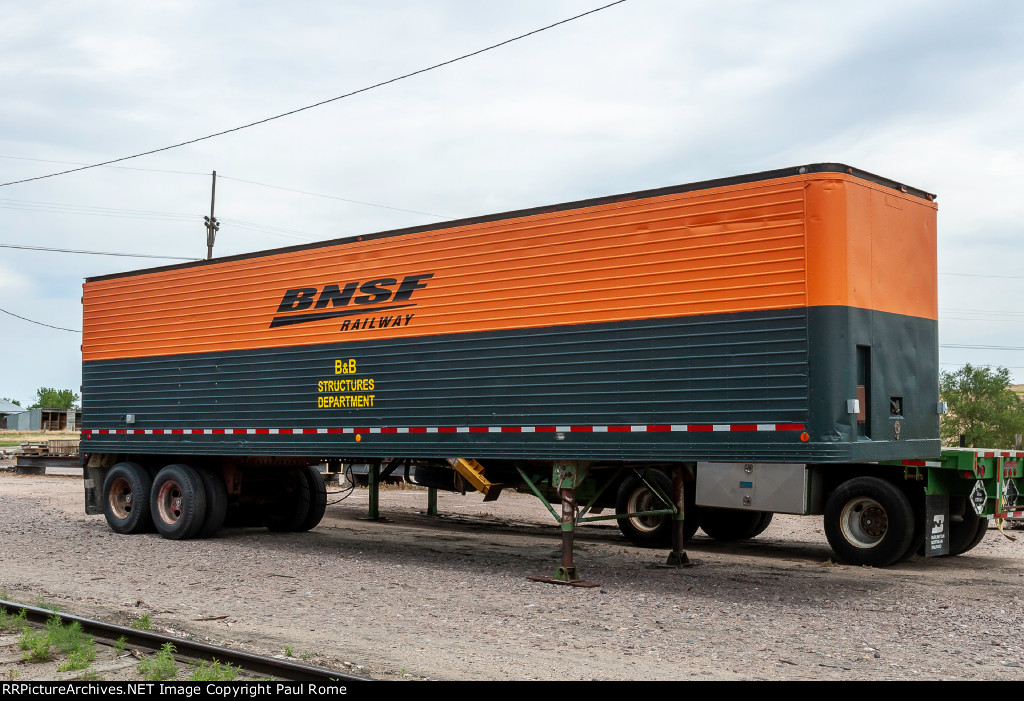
[796, 241]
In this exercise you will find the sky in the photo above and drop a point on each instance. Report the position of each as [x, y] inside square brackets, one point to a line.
[645, 94]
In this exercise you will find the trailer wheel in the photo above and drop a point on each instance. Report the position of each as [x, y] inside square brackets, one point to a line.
[290, 511]
[317, 499]
[732, 524]
[652, 531]
[216, 503]
[178, 502]
[869, 521]
[126, 498]
[966, 534]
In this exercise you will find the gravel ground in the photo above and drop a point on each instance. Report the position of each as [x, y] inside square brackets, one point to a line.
[447, 598]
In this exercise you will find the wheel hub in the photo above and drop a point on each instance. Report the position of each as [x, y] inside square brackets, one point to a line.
[121, 498]
[644, 500]
[169, 502]
[864, 522]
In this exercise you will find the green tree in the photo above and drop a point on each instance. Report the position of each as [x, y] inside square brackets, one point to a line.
[981, 406]
[49, 398]
[12, 401]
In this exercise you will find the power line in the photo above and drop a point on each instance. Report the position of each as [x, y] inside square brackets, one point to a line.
[958, 345]
[997, 277]
[92, 253]
[332, 197]
[321, 103]
[33, 321]
[76, 163]
[238, 180]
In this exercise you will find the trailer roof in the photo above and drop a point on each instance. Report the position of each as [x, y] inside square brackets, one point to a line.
[577, 204]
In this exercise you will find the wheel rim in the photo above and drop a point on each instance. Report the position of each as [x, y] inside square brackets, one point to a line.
[169, 502]
[863, 522]
[642, 499]
[121, 498]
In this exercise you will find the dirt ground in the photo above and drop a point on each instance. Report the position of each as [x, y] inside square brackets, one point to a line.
[447, 598]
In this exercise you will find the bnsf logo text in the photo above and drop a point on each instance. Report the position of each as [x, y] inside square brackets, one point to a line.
[372, 296]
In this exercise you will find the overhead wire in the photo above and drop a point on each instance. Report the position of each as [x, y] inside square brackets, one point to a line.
[33, 321]
[93, 253]
[322, 102]
[333, 197]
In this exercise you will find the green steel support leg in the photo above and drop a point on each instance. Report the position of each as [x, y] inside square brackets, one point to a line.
[431, 501]
[566, 572]
[536, 493]
[373, 480]
[677, 558]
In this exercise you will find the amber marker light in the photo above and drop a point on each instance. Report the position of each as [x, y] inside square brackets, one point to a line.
[358, 438]
[805, 436]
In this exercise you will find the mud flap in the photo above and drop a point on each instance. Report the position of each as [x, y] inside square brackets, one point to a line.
[936, 525]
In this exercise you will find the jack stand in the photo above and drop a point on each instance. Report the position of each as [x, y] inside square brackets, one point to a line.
[373, 482]
[431, 501]
[677, 558]
[567, 573]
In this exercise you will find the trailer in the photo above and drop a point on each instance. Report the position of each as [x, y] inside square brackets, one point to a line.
[696, 356]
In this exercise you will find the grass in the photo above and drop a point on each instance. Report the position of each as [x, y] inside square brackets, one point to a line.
[214, 672]
[120, 645]
[11, 439]
[288, 651]
[15, 623]
[36, 644]
[40, 645]
[89, 675]
[67, 638]
[141, 623]
[159, 667]
[79, 659]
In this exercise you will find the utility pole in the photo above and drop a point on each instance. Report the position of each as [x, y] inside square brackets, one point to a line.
[212, 225]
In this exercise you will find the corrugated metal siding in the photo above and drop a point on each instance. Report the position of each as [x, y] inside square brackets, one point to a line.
[748, 368]
[728, 250]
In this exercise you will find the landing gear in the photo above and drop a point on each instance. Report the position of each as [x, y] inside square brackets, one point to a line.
[635, 500]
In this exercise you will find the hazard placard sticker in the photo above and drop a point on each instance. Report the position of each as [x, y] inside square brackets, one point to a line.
[979, 497]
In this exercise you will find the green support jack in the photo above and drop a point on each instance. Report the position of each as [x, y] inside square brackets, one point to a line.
[565, 477]
[373, 482]
[677, 558]
[431, 501]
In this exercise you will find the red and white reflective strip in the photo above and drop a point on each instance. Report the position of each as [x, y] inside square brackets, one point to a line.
[1009, 514]
[921, 463]
[641, 428]
[999, 454]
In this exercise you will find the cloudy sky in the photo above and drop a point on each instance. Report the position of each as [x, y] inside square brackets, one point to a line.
[644, 94]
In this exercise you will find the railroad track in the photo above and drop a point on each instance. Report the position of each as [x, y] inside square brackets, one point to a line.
[281, 669]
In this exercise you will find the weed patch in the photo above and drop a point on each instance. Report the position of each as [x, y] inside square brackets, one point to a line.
[214, 672]
[160, 667]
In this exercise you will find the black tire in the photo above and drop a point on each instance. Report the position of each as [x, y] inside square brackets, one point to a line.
[869, 521]
[733, 524]
[216, 503]
[652, 531]
[126, 491]
[317, 499]
[979, 536]
[966, 534]
[292, 509]
[766, 520]
[178, 502]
